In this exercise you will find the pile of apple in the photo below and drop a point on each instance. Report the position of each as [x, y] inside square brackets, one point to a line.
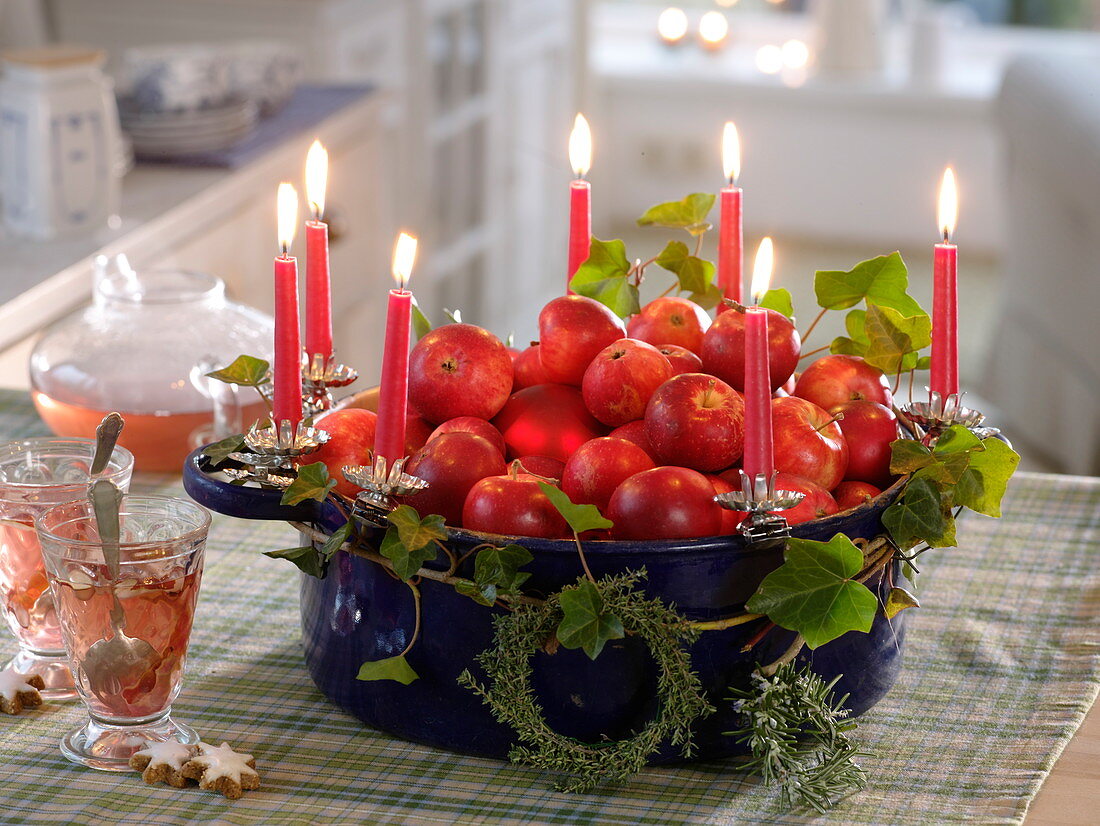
[644, 420]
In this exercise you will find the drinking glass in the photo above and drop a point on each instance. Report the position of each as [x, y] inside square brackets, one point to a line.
[161, 546]
[36, 474]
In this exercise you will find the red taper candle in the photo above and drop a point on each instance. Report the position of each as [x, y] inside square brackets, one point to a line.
[287, 404]
[730, 238]
[759, 453]
[580, 197]
[944, 377]
[318, 286]
[393, 401]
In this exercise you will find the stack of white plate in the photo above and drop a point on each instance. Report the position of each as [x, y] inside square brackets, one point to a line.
[177, 134]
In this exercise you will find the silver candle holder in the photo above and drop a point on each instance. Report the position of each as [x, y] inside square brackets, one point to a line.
[930, 419]
[759, 497]
[319, 375]
[271, 458]
[382, 484]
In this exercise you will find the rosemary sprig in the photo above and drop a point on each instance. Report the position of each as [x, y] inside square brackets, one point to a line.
[796, 731]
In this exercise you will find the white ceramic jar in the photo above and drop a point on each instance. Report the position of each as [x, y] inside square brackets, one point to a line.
[59, 142]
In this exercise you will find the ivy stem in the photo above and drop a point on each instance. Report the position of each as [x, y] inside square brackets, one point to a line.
[698, 244]
[671, 287]
[912, 374]
[416, 628]
[450, 556]
[796, 645]
[424, 573]
[584, 562]
[813, 324]
[755, 639]
[897, 381]
[722, 624]
[813, 352]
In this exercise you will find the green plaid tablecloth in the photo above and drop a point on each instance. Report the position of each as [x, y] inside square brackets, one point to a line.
[1002, 663]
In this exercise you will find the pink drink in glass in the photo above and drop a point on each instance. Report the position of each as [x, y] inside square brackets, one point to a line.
[36, 474]
[128, 669]
[159, 608]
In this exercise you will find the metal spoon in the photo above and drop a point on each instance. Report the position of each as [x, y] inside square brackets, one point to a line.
[119, 662]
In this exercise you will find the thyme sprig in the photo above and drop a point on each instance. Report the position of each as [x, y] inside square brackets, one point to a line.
[796, 731]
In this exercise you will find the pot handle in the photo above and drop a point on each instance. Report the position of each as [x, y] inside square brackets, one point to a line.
[240, 501]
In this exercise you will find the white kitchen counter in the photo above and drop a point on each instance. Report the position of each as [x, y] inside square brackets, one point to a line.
[164, 209]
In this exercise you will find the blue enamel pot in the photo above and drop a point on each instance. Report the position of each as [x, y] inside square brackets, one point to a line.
[358, 612]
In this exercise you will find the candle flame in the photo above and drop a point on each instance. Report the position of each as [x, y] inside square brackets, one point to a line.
[580, 147]
[287, 209]
[762, 269]
[316, 178]
[404, 255]
[731, 152]
[949, 204]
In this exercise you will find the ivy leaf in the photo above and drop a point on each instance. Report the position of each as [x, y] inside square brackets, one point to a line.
[891, 336]
[581, 518]
[883, 281]
[897, 601]
[306, 558]
[694, 274]
[391, 668]
[421, 325]
[924, 363]
[245, 371]
[918, 514]
[219, 451]
[338, 538]
[709, 299]
[690, 213]
[984, 482]
[414, 531]
[856, 342]
[313, 482]
[411, 541]
[481, 594]
[500, 567]
[908, 456]
[778, 299]
[604, 276]
[584, 622]
[813, 593]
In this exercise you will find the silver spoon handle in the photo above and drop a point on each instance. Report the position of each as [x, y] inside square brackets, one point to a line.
[106, 435]
[106, 498]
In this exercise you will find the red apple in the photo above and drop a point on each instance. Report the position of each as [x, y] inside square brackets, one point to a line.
[670, 320]
[808, 442]
[572, 330]
[852, 494]
[599, 466]
[681, 359]
[723, 351]
[542, 466]
[633, 432]
[512, 505]
[417, 431]
[664, 503]
[471, 424]
[818, 502]
[621, 379]
[451, 463]
[868, 428]
[731, 520]
[546, 420]
[528, 369]
[351, 438]
[696, 421]
[459, 370]
[832, 380]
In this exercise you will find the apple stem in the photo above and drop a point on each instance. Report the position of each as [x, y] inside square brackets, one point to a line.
[584, 562]
[813, 324]
[514, 469]
[836, 418]
[813, 352]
